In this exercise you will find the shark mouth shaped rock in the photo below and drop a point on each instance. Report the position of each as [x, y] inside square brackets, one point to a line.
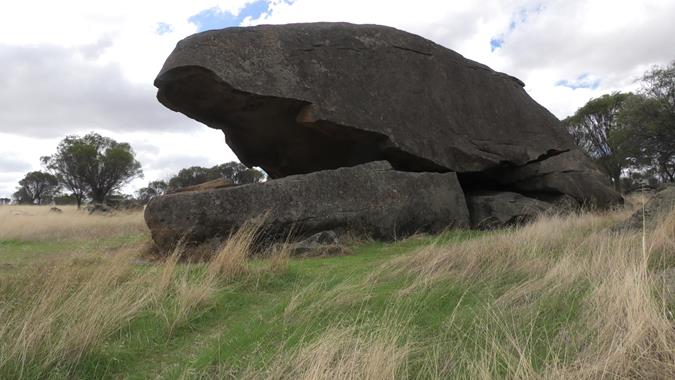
[303, 98]
[368, 200]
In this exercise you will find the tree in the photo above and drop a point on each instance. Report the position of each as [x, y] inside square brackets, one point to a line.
[37, 188]
[234, 171]
[65, 199]
[238, 173]
[93, 165]
[651, 119]
[597, 131]
[249, 176]
[154, 189]
[193, 175]
[21, 197]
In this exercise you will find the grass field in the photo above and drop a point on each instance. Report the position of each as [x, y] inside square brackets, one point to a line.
[564, 297]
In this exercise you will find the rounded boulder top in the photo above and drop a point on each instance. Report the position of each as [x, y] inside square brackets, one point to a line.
[301, 98]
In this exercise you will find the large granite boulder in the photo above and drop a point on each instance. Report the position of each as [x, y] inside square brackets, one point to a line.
[301, 98]
[371, 199]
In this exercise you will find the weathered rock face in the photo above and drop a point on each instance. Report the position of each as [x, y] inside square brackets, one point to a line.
[301, 98]
[496, 210]
[372, 199]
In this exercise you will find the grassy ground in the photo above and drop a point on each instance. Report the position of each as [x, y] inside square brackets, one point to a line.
[565, 297]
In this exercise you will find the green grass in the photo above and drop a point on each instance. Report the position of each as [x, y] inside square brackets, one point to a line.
[455, 325]
[15, 253]
[245, 323]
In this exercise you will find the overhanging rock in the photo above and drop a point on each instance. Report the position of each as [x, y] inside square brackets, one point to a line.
[299, 98]
[371, 199]
[308, 101]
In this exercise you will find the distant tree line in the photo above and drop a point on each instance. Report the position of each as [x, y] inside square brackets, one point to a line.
[89, 167]
[234, 171]
[631, 136]
[95, 168]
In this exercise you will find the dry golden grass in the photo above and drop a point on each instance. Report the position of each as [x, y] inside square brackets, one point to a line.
[230, 262]
[38, 223]
[342, 353]
[54, 313]
[626, 329]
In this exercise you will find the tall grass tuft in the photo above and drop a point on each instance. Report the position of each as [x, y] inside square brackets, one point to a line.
[624, 328]
[342, 353]
[54, 314]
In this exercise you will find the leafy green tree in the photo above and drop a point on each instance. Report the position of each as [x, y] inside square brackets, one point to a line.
[154, 189]
[37, 188]
[238, 173]
[93, 166]
[21, 197]
[65, 199]
[193, 175]
[596, 129]
[249, 175]
[651, 119]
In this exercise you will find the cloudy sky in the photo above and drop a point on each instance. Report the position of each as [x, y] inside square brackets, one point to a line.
[73, 66]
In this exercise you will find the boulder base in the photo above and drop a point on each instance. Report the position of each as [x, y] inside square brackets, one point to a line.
[371, 199]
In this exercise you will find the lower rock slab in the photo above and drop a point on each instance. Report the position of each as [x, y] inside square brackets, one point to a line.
[370, 199]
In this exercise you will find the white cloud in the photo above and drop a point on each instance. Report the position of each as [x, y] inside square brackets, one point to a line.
[614, 41]
[50, 91]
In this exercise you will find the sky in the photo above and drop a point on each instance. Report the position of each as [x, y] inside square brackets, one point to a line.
[72, 66]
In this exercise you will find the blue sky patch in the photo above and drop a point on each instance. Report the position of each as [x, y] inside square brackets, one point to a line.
[496, 43]
[582, 81]
[214, 18]
[519, 17]
[163, 27]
